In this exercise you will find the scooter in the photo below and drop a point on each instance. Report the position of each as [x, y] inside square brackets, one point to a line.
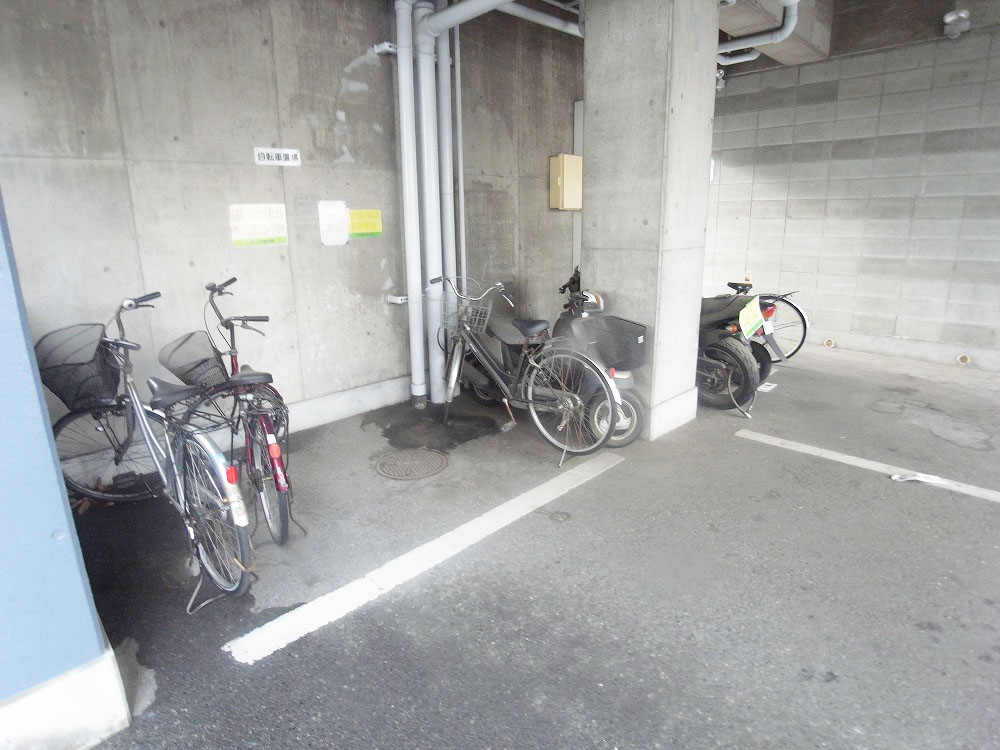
[616, 342]
[731, 365]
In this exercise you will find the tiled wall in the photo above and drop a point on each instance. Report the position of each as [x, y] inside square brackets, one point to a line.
[871, 184]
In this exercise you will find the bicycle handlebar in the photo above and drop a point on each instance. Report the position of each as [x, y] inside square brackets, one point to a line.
[220, 287]
[496, 287]
[147, 298]
[247, 319]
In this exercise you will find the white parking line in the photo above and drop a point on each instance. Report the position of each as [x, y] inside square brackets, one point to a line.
[895, 472]
[329, 608]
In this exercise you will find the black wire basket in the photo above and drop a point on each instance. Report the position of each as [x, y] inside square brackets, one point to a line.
[74, 365]
[194, 360]
[619, 343]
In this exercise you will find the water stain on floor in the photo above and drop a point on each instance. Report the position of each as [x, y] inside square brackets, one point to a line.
[406, 427]
[944, 426]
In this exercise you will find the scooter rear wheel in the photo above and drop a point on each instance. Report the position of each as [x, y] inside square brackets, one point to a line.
[732, 368]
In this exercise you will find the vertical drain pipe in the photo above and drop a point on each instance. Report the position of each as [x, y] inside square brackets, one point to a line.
[411, 200]
[430, 187]
[445, 151]
[463, 260]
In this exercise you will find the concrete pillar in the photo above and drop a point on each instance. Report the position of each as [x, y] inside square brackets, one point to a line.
[649, 72]
[59, 682]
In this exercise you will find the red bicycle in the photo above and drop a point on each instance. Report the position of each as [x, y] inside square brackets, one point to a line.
[241, 399]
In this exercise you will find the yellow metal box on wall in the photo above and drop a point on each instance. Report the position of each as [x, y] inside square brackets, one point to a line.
[566, 182]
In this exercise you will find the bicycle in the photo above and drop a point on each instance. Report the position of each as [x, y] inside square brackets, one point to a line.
[789, 321]
[790, 324]
[570, 398]
[243, 400]
[101, 436]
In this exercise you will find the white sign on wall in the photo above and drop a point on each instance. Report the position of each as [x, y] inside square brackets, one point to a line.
[277, 157]
[258, 224]
[334, 223]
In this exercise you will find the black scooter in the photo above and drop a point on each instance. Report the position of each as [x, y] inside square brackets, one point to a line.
[730, 365]
[618, 343]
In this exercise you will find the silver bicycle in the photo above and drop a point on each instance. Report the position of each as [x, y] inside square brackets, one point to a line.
[569, 396]
[113, 447]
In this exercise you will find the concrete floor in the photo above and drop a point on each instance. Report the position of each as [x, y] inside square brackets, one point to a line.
[708, 591]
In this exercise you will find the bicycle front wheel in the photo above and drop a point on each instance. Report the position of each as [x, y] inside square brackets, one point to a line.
[103, 456]
[789, 326]
[223, 545]
[564, 392]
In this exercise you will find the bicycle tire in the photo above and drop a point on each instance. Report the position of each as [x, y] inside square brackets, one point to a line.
[223, 545]
[562, 388]
[273, 503]
[86, 443]
[790, 325]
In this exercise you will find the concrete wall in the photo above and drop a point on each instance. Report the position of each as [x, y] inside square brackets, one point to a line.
[871, 184]
[520, 84]
[130, 128]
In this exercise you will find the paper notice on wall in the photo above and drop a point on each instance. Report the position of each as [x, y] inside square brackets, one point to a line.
[334, 223]
[366, 222]
[258, 224]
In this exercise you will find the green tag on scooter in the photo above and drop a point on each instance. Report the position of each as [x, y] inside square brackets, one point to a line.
[751, 318]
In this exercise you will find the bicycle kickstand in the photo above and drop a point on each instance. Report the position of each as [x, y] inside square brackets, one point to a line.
[508, 426]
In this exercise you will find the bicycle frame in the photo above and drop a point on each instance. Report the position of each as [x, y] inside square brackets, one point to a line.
[264, 420]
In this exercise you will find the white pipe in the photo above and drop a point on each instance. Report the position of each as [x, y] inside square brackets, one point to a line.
[779, 34]
[430, 186]
[446, 150]
[537, 16]
[456, 14]
[737, 57]
[411, 200]
[463, 260]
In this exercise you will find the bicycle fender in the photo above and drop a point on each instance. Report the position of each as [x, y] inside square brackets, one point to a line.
[234, 498]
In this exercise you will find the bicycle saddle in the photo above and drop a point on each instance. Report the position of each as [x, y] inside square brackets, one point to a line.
[529, 328]
[740, 287]
[250, 376]
[167, 394]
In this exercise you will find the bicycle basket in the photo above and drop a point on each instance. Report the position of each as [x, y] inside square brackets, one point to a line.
[475, 314]
[76, 368]
[194, 360]
[619, 343]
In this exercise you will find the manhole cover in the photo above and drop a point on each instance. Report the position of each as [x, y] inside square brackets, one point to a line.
[411, 464]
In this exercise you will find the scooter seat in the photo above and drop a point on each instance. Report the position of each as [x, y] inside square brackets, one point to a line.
[722, 307]
[740, 287]
[166, 394]
[529, 328]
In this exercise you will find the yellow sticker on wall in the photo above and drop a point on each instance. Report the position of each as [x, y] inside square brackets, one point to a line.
[366, 222]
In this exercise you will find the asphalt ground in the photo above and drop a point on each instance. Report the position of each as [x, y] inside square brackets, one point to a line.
[706, 591]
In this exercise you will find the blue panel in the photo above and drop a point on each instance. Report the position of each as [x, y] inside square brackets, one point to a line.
[48, 624]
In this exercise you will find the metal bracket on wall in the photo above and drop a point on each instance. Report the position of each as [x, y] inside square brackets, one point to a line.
[384, 48]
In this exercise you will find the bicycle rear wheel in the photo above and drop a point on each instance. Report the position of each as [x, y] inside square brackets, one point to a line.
[790, 326]
[564, 390]
[223, 545]
[103, 456]
[274, 503]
